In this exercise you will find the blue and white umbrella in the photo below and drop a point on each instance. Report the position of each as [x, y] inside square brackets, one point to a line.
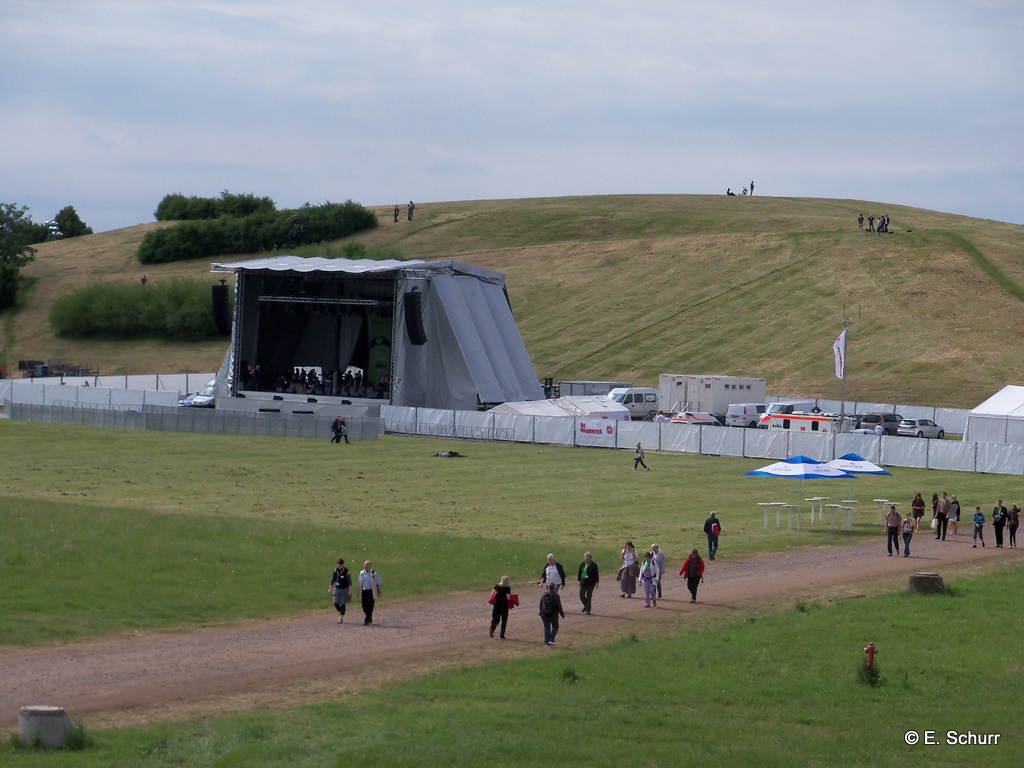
[801, 468]
[856, 465]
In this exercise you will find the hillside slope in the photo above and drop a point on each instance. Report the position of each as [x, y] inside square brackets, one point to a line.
[627, 287]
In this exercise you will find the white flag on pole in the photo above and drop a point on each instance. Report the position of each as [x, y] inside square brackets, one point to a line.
[840, 349]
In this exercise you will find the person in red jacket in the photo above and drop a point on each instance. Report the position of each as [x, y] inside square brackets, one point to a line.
[693, 570]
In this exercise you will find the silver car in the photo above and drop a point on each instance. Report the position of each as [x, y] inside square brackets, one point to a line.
[920, 428]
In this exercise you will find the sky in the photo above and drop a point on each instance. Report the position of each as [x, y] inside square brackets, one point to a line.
[109, 105]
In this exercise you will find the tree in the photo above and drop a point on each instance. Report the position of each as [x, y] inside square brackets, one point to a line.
[70, 224]
[16, 232]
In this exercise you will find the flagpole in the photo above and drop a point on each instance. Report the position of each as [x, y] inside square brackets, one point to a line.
[839, 348]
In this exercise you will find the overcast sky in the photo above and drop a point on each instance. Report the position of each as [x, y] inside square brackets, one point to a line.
[108, 105]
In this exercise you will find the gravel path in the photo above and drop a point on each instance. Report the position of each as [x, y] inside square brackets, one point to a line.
[142, 677]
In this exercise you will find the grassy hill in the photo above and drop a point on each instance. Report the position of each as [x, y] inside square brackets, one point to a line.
[628, 287]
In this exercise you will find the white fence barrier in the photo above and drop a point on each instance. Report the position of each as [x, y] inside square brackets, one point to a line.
[764, 444]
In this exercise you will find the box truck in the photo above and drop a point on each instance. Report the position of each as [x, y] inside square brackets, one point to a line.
[677, 392]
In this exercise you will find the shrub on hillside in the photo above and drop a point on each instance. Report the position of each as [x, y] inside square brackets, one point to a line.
[255, 233]
[178, 310]
[177, 207]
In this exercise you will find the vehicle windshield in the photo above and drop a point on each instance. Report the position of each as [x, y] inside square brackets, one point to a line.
[209, 390]
[618, 397]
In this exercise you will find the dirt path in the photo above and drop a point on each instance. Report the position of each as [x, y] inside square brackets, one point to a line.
[143, 677]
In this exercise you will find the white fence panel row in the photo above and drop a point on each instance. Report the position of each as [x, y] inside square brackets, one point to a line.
[769, 445]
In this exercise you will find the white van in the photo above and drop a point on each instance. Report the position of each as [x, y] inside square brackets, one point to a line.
[744, 414]
[642, 402]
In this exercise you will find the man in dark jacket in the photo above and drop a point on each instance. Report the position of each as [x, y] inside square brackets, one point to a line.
[588, 577]
[712, 527]
[999, 516]
[550, 610]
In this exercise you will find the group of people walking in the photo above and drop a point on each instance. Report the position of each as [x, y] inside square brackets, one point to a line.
[946, 514]
[369, 585]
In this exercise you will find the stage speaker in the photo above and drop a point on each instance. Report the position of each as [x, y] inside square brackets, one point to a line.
[414, 318]
[221, 321]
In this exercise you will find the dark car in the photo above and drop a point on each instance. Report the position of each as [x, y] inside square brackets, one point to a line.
[890, 422]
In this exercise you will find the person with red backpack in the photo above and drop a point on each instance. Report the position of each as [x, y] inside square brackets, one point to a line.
[712, 527]
[693, 570]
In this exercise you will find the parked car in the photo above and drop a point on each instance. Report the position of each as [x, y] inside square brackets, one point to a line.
[744, 414]
[204, 398]
[890, 422]
[920, 428]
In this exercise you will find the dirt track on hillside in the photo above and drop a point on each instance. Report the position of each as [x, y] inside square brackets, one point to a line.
[143, 677]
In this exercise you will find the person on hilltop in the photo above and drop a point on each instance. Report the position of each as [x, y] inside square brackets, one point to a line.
[589, 578]
[1013, 524]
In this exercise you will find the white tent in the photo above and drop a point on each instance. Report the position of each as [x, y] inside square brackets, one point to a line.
[578, 406]
[1000, 419]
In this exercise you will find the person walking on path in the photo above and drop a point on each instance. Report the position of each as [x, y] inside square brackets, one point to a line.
[499, 613]
[892, 530]
[553, 574]
[589, 578]
[979, 528]
[1013, 523]
[659, 560]
[918, 506]
[712, 527]
[999, 517]
[341, 586]
[693, 571]
[942, 517]
[629, 571]
[908, 534]
[369, 590]
[550, 610]
[954, 514]
[639, 460]
[649, 575]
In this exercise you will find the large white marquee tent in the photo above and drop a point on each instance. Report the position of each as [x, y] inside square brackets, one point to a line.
[1000, 419]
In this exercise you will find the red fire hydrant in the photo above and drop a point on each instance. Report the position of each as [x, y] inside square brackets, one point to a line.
[871, 651]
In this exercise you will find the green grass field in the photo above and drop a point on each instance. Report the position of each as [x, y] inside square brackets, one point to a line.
[173, 527]
[104, 532]
[780, 690]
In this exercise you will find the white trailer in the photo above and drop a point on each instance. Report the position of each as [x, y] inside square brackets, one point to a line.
[713, 394]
